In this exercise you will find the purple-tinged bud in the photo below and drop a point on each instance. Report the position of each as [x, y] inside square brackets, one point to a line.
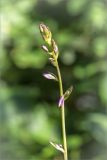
[61, 101]
[50, 76]
[52, 61]
[45, 48]
[55, 47]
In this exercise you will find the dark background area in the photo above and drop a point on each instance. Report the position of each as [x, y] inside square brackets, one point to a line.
[29, 114]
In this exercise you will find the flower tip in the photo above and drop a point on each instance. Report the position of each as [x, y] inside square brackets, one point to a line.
[41, 27]
[46, 75]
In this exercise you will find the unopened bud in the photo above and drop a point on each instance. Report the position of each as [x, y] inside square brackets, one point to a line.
[50, 76]
[57, 146]
[68, 92]
[55, 48]
[45, 48]
[41, 27]
[52, 61]
[46, 33]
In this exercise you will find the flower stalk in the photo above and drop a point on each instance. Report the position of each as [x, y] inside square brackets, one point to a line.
[62, 113]
[53, 52]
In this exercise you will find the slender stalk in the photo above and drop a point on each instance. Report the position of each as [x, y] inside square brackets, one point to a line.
[62, 113]
[47, 36]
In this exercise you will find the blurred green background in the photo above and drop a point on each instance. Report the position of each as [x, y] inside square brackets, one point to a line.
[29, 114]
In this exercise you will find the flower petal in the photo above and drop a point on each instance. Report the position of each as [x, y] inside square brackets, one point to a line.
[61, 101]
[50, 76]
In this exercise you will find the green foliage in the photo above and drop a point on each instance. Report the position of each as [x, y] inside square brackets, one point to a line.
[28, 103]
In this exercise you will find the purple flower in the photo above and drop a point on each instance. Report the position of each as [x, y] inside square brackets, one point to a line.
[61, 101]
[50, 76]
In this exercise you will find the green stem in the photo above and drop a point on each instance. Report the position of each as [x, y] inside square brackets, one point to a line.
[62, 113]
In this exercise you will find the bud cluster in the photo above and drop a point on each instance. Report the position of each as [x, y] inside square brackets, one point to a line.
[51, 48]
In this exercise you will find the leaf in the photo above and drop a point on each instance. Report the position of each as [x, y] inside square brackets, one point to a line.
[57, 146]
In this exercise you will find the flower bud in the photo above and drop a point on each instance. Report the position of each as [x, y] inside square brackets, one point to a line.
[50, 76]
[55, 48]
[41, 27]
[46, 33]
[52, 61]
[57, 146]
[45, 48]
[68, 92]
